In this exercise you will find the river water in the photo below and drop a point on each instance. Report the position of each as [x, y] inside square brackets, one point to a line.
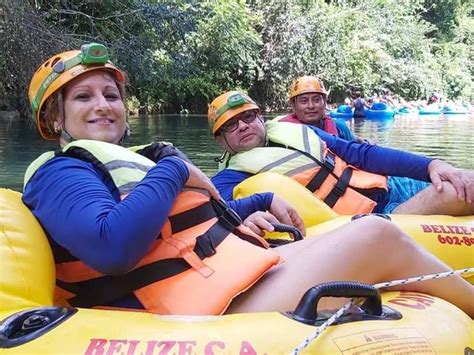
[448, 137]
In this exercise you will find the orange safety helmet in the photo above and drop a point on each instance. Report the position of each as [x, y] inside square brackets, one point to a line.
[60, 69]
[226, 106]
[305, 84]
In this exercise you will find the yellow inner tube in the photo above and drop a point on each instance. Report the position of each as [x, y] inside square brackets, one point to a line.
[27, 281]
[450, 238]
[27, 266]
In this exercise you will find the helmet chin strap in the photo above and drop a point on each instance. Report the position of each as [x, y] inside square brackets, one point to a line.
[229, 148]
[267, 140]
[225, 156]
[126, 134]
[66, 136]
[61, 128]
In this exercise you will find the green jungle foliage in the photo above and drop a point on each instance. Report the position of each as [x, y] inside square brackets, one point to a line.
[180, 54]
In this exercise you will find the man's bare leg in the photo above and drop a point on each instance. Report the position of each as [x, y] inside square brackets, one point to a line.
[429, 201]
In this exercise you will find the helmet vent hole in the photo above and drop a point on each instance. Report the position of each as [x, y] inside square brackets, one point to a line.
[46, 64]
[55, 60]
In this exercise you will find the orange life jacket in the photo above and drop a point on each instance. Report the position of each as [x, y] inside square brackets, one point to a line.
[202, 258]
[296, 151]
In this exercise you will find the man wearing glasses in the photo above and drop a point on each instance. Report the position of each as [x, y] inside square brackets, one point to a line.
[349, 177]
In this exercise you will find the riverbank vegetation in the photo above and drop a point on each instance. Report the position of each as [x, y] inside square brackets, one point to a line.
[181, 54]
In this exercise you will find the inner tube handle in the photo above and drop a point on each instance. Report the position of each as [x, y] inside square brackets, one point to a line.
[279, 227]
[306, 311]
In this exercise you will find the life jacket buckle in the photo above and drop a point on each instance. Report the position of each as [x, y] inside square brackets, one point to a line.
[330, 162]
[204, 246]
[226, 214]
[338, 191]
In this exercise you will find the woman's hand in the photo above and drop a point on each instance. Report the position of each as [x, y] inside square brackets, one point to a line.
[198, 179]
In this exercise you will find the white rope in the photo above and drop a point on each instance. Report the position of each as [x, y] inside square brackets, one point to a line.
[424, 278]
[304, 344]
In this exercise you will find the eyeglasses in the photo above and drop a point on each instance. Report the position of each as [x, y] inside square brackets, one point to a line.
[91, 54]
[233, 124]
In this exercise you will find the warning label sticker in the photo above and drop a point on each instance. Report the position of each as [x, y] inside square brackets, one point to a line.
[393, 341]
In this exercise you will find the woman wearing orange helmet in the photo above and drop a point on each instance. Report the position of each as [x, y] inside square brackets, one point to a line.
[56, 73]
[127, 232]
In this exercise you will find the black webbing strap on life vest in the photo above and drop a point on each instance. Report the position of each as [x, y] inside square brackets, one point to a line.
[108, 288]
[187, 219]
[228, 218]
[60, 254]
[179, 222]
[340, 188]
[85, 155]
[327, 167]
[193, 217]
[160, 150]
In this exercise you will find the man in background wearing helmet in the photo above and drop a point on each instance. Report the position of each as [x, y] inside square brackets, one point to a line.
[308, 99]
[349, 177]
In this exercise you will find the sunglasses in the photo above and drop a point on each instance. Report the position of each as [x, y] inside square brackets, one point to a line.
[233, 124]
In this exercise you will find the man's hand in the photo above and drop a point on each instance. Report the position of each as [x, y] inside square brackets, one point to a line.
[462, 180]
[260, 221]
[280, 212]
[360, 140]
[286, 214]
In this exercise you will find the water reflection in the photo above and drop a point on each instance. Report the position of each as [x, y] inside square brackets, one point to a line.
[19, 145]
[448, 137]
[189, 133]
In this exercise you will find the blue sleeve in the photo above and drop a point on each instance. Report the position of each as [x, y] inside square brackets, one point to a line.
[248, 205]
[78, 210]
[226, 180]
[343, 130]
[377, 159]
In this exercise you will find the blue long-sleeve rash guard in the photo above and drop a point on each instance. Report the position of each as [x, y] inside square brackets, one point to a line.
[371, 158]
[81, 210]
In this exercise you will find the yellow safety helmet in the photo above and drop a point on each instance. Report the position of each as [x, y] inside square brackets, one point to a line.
[226, 106]
[305, 84]
[60, 69]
